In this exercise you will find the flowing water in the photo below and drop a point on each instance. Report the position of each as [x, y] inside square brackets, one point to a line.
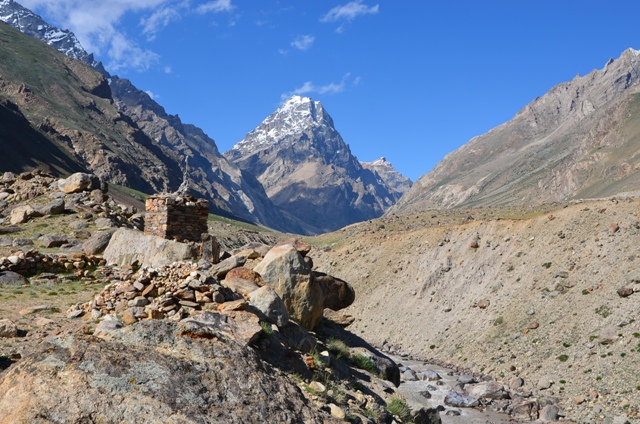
[411, 391]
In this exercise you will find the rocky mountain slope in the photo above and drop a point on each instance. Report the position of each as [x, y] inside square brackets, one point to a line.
[308, 170]
[389, 174]
[545, 295]
[580, 140]
[171, 142]
[231, 191]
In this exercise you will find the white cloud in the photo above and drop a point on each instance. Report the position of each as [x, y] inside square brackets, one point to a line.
[349, 12]
[152, 95]
[303, 42]
[158, 20]
[168, 70]
[97, 24]
[215, 6]
[309, 87]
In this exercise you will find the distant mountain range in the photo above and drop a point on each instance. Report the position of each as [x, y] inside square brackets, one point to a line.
[141, 146]
[308, 170]
[579, 140]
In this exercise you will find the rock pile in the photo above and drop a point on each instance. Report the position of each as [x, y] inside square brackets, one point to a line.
[281, 286]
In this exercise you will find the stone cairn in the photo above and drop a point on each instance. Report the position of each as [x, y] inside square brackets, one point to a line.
[179, 218]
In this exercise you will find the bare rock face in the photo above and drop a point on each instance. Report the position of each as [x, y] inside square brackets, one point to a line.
[308, 170]
[153, 371]
[572, 142]
[285, 270]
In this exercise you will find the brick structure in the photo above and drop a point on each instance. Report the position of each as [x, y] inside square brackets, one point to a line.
[174, 217]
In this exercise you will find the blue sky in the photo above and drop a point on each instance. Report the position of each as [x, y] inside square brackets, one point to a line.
[408, 80]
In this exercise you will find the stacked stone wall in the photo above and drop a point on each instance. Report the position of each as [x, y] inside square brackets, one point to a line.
[176, 217]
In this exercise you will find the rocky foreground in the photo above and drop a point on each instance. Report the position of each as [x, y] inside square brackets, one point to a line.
[168, 338]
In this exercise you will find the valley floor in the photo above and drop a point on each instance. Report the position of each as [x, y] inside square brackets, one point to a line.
[547, 295]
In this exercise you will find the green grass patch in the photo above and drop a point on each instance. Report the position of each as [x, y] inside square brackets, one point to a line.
[338, 348]
[398, 407]
[364, 363]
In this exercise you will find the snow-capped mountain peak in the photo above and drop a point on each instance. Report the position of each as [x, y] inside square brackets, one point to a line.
[63, 40]
[296, 115]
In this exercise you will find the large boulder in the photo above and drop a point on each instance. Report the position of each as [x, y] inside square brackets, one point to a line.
[55, 207]
[285, 270]
[76, 183]
[97, 243]
[10, 278]
[270, 305]
[22, 214]
[486, 390]
[128, 246]
[338, 294]
[151, 371]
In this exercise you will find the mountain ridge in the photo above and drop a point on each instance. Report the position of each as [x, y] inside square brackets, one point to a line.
[577, 140]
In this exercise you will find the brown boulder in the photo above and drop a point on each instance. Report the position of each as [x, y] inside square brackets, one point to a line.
[302, 247]
[246, 274]
[338, 294]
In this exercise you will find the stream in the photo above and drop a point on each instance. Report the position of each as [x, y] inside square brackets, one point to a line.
[411, 391]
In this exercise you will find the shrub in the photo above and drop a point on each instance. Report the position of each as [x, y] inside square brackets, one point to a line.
[364, 363]
[398, 407]
[563, 358]
[338, 348]
[267, 330]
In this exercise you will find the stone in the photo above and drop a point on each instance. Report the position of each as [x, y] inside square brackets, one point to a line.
[270, 305]
[430, 375]
[337, 412]
[483, 304]
[544, 383]
[104, 223]
[458, 400]
[338, 294]
[625, 291]
[220, 270]
[55, 207]
[240, 285]
[549, 413]
[21, 214]
[409, 375]
[53, 240]
[466, 378]
[108, 326]
[22, 242]
[486, 390]
[8, 328]
[339, 318]
[284, 269]
[234, 305]
[128, 246]
[75, 183]
[10, 278]
[75, 314]
[128, 317]
[302, 247]
[97, 243]
[515, 383]
[35, 309]
[245, 274]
